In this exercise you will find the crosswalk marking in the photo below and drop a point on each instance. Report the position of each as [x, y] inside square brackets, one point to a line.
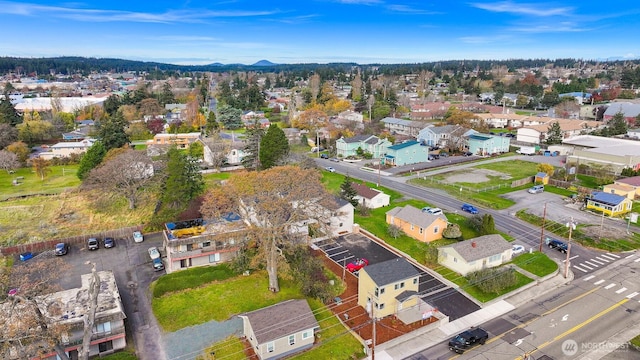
[636, 260]
[608, 257]
[632, 295]
[614, 255]
[629, 256]
[598, 282]
[588, 267]
[583, 270]
[596, 261]
[589, 277]
[610, 286]
[601, 259]
[592, 264]
[621, 290]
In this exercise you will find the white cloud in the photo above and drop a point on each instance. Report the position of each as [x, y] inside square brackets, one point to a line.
[537, 9]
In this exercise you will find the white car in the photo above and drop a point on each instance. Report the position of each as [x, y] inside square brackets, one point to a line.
[154, 253]
[137, 237]
[434, 211]
[517, 249]
[330, 169]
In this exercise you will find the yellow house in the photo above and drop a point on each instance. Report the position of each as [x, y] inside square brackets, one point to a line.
[181, 140]
[387, 287]
[609, 204]
[416, 224]
[625, 190]
[475, 254]
[633, 181]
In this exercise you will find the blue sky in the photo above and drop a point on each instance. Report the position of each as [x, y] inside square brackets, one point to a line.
[321, 31]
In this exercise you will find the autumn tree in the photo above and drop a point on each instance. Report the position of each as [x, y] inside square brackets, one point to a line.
[274, 147]
[35, 131]
[8, 161]
[126, 175]
[311, 119]
[546, 168]
[21, 150]
[150, 107]
[41, 167]
[276, 202]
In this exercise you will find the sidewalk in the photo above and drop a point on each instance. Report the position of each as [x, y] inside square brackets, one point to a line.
[489, 311]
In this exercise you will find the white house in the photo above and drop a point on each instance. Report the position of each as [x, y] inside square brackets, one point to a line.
[475, 254]
[64, 149]
[370, 198]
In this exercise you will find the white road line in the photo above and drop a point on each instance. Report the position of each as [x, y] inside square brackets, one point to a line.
[588, 267]
[583, 270]
[598, 282]
[589, 277]
[597, 262]
[630, 256]
[592, 264]
[632, 295]
[610, 286]
[614, 255]
[608, 257]
[571, 258]
[636, 260]
[601, 259]
[621, 290]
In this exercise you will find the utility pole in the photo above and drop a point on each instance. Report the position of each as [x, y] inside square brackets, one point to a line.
[601, 225]
[373, 344]
[571, 225]
[544, 215]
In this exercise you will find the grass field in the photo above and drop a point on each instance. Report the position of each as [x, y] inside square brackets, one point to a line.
[536, 263]
[230, 348]
[59, 179]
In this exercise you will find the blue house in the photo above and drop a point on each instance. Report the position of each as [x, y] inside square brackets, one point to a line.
[483, 144]
[410, 152]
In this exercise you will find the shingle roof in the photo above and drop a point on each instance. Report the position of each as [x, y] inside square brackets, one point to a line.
[415, 216]
[365, 191]
[443, 129]
[405, 295]
[628, 109]
[606, 198]
[633, 181]
[281, 319]
[480, 247]
[358, 138]
[390, 271]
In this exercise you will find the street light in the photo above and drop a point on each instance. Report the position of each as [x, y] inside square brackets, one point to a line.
[572, 226]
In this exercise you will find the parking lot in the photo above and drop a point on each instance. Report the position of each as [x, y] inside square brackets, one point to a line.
[346, 249]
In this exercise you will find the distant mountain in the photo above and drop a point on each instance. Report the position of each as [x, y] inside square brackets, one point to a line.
[264, 63]
[215, 64]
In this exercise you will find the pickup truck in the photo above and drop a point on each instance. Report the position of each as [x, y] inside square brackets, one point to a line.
[468, 339]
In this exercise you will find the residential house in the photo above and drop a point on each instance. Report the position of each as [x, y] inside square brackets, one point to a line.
[629, 110]
[280, 330]
[180, 140]
[342, 218]
[450, 136]
[608, 152]
[69, 307]
[76, 135]
[475, 254]
[609, 204]
[372, 144]
[175, 112]
[293, 135]
[417, 224]
[200, 242]
[406, 153]
[501, 120]
[217, 151]
[401, 126]
[483, 144]
[370, 198]
[537, 134]
[388, 287]
[619, 189]
[351, 116]
[632, 182]
[429, 110]
[65, 149]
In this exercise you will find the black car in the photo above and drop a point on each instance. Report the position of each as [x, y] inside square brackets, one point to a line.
[468, 339]
[109, 243]
[324, 156]
[558, 245]
[61, 249]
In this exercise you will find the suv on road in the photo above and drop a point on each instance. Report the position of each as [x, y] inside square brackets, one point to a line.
[469, 208]
[468, 339]
[558, 245]
[92, 244]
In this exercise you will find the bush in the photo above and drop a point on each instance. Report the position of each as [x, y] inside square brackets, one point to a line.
[191, 278]
[493, 280]
[308, 271]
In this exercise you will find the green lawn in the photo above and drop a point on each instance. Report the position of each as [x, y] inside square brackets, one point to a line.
[588, 181]
[230, 348]
[58, 179]
[636, 341]
[473, 290]
[335, 342]
[536, 263]
[220, 300]
[190, 279]
[120, 355]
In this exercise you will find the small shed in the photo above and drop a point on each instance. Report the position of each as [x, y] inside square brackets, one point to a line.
[542, 178]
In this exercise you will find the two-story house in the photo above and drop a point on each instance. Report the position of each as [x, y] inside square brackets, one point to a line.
[421, 226]
[372, 144]
[484, 144]
[475, 254]
[443, 136]
[401, 126]
[387, 287]
[406, 153]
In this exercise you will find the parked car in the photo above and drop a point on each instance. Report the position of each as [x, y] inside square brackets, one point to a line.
[536, 189]
[558, 245]
[109, 242]
[469, 208]
[334, 159]
[330, 169]
[92, 244]
[137, 237]
[61, 249]
[154, 253]
[433, 211]
[324, 156]
[517, 249]
[357, 265]
[468, 153]
[26, 256]
[157, 264]
[468, 339]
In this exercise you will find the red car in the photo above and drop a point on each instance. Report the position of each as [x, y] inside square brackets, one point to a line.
[357, 265]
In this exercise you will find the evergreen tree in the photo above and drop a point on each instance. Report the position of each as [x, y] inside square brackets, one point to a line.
[251, 159]
[112, 131]
[212, 125]
[488, 225]
[230, 117]
[184, 181]
[554, 134]
[8, 113]
[166, 96]
[347, 192]
[91, 159]
[617, 125]
[274, 147]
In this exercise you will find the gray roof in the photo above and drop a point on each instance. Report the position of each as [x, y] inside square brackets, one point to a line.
[371, 139]
[480, 247]
[446, 129]
[390, 271]
[280, 320]
[628, 109]
[415, 216]
[405, 295]
[391, 120]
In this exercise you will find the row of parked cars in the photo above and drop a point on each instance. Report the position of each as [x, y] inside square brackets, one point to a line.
[94, 244]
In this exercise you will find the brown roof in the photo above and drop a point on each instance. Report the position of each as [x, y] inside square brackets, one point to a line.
[633, 181]
[280, 320]
[365, 191]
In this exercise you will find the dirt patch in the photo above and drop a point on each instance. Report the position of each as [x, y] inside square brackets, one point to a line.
[475, 176]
